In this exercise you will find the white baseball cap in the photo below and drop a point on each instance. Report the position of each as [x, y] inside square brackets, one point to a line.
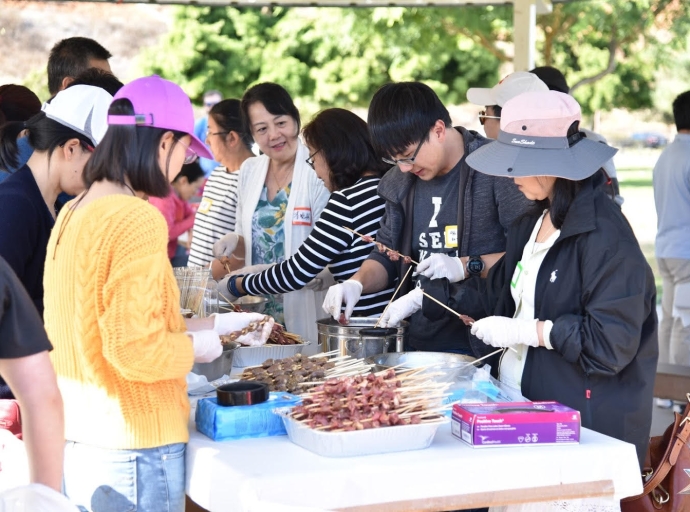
[83, 108]
[512, 85]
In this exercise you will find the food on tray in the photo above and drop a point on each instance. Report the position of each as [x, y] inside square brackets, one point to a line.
[377, 400]
[278, 336]
[288, 374]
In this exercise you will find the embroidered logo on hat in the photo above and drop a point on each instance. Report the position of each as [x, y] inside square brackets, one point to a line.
[523, 142]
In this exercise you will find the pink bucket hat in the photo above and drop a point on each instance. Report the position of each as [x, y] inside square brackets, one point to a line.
[162, 104]
[533, 141]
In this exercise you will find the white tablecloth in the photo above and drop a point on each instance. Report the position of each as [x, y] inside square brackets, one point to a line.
[272, 474]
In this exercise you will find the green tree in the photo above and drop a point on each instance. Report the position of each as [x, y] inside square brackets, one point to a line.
[610, 50]
[329, 56]
[340, 56]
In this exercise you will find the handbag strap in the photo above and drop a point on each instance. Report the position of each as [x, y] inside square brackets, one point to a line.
[678, 439]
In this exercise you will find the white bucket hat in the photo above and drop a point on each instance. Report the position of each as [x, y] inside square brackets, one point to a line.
[83, 108]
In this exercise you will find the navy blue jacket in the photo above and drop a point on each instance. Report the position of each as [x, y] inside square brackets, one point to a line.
[25, 226]
[597, 288]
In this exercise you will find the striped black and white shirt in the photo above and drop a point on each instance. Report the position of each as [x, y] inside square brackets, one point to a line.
[215, 216]
[358, 207]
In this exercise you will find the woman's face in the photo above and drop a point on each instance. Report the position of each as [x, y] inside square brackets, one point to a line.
[536, 188]
[73, 160]
[215, 138]
[321, 167]
[172, 153]
[276, 136]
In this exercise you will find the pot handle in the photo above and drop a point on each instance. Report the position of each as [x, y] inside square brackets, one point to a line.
[386, 344]
[378, 331]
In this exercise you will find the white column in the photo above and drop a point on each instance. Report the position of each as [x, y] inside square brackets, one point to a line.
[524, 33]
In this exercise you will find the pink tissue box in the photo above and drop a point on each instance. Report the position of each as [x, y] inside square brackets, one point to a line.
[515, 423]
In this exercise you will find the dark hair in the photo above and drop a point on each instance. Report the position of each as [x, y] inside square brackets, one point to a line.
[497, 110]
[191, 171]
[98, 78]
[44, 134]
[401, 114]
[129, 151]
[681, 111]
[343, 140]
[227, 115]
[564, 191]
[71, 57]
[274, 98]
[553, 78]
[17, 103]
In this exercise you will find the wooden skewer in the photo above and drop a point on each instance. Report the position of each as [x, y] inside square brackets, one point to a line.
[387, 248]
[395, 293]
[466, 319]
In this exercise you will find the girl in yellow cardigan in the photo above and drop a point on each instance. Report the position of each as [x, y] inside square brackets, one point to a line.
[121, 348]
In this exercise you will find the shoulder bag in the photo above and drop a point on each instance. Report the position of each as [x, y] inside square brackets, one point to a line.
[666, 475]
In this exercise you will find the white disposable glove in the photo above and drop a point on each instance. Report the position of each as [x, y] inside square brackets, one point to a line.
[440, 265]
[347, 292]
[501, 331]
[402, 308]
[226, 245]
[207, 346]
[226, 323]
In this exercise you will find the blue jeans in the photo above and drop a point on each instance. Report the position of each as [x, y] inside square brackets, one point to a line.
[102, 480]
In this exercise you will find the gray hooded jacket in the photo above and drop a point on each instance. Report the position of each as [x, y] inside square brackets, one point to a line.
[487, 206]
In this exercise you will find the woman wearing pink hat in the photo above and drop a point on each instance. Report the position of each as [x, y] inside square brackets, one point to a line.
[573, 294]
[122, 348]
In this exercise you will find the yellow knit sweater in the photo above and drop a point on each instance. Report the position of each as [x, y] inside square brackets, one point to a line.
[112, 314]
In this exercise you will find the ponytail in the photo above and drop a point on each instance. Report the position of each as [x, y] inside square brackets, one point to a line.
[9, 149]
[44, 134]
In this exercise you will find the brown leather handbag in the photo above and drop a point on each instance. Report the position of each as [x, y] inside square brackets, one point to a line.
[666, 475]
[10, 417]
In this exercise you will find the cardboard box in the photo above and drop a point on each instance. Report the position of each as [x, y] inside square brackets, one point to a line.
[515, 423]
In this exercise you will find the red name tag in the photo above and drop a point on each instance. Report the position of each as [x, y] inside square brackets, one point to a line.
[301, 216]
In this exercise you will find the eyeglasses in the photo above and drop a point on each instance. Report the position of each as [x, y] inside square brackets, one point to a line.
[208, 134]
[310, 160]
[483, 117]
[190, 155]
[406, 161]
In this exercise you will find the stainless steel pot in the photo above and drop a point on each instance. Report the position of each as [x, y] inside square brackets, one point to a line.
[445, 367]
[221, 366]
[359, 338]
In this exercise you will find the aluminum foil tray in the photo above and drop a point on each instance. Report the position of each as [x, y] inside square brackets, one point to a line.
[360, 442]
[254, 356]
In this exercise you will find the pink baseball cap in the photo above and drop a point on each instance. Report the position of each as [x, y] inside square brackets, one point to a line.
[162, 104]
[533, 141]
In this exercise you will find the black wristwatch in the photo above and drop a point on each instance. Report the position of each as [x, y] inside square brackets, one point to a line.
[475, 266]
